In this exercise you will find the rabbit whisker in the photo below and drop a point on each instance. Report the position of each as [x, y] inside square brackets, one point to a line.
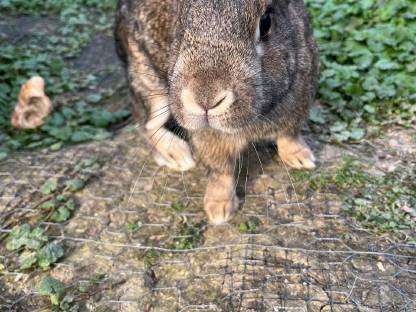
[133, 190]
[258, 157]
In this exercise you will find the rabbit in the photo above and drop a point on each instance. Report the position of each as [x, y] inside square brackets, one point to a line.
[228, 72]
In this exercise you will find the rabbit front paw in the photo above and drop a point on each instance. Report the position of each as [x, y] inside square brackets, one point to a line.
[296, 153]
[171, 151]
[220, 202]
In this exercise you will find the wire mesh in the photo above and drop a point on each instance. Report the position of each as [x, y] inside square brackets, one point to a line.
[304, 255]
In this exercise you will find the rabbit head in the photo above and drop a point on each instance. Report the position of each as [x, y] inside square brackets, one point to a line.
[216, 78]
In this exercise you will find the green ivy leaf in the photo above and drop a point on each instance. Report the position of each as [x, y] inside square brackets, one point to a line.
[75, 185]
[50, 204]
[94, 98]
[316, 115]
[81, 136]
[53, 288]
[62, 134]
[102, 119]
[27, 259]
[62, 214]
[386, 64]
[49, 254]
[49, 186]
[357, 134]
[22, 235]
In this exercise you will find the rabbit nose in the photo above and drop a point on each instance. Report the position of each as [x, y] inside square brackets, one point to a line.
[215, 107]
[222, 103]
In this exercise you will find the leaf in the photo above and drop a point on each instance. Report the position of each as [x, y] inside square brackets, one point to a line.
[22, 235]
[50, 204]
[342, 136]
[62, 214]
[102, 134]
[386, 64]
[81, 136]
[70, 204]
[68, 112]
[357, 134]
[94, 98]
[49, 186]
[63, 134]
[56, 146]
[367, 4]
[75, 185]
[56, 120]
[102, 119]
[243, 227]
[66, 303]
[49, 255]
[27, 259]
[338, 126]
[316, 115]
[370, 109]
[53, 288]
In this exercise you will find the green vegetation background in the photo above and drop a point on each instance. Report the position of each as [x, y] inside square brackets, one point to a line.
[368, 84]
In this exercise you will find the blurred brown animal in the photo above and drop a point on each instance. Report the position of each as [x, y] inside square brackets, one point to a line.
[229, 72]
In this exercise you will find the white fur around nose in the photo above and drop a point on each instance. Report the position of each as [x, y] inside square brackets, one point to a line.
[227, 98]
[190, 104]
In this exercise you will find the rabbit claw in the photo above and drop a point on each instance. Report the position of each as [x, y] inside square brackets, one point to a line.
[296, 153]
[171, 151]
[220, 200]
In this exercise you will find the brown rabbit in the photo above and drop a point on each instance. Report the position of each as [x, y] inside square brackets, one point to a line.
[230, 72]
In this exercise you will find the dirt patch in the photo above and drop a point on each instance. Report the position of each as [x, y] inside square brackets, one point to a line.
[304, 256]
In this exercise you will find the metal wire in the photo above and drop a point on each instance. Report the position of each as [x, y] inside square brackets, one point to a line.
[304, 255]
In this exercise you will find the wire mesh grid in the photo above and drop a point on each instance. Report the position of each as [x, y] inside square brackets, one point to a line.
[302, 256]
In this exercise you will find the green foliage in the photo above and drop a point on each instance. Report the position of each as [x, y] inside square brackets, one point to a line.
[189, 236]
[75, 185]
[368, 64]
[64, 210]
[60, 207]
[380, 203]
[45, 54]
[178, 206]
[27, 259]
[49, 186]
[49, 254]
[134, 225]
[53, 288]
[24, 236]
[249, 226]
[33, 246]
[50, 6]
[66, 298]
[151, 258]
[386, 203]
[71, 125]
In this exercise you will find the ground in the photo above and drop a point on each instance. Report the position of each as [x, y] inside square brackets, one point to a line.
[136, 238]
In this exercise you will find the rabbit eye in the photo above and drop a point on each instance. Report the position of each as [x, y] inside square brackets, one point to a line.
[265, 25]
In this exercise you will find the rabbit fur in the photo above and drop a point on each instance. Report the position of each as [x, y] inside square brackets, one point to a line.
[228, 72]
